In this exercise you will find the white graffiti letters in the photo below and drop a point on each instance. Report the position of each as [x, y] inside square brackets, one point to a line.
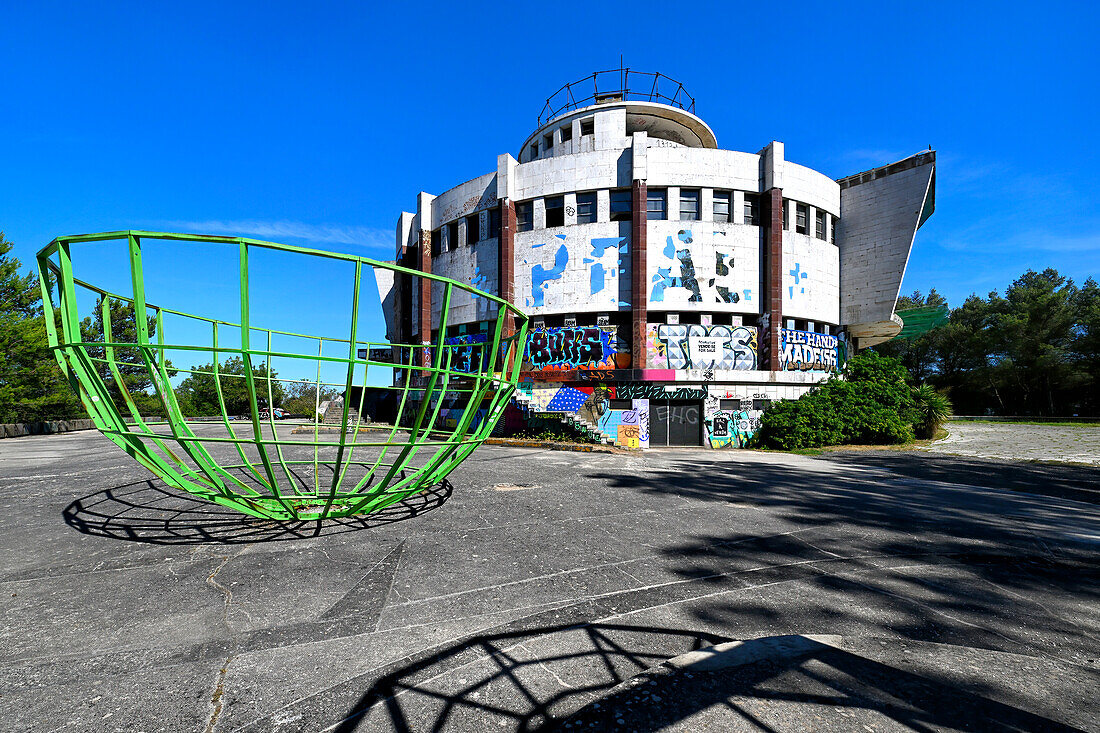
[709, 347]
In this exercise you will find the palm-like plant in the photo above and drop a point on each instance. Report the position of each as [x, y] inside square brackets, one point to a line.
[933, 408]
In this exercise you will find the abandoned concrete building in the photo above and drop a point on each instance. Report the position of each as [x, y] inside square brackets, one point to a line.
[675, 288]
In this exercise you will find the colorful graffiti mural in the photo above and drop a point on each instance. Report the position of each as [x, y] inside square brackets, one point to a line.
[470, 354]
[807, 351]
[693, 346]
[576, 347]
[731, 427]
[656, 391]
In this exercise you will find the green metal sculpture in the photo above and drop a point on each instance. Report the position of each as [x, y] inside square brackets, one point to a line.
[286, 470]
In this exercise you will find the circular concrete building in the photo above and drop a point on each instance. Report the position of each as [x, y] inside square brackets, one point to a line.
[675, 288]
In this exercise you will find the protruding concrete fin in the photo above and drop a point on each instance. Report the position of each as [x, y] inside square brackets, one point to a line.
[880, 212]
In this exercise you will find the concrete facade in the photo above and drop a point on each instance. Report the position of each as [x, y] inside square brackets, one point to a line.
[658, 268]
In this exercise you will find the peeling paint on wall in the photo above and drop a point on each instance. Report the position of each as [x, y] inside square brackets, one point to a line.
[540, 275]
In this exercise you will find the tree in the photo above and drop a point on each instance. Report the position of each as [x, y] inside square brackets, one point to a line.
[918, 355]
[32, 387]
[129, 361]
[198, 394]
[302, 398]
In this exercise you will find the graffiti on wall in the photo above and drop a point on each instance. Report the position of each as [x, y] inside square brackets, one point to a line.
[700, 285]
[732, 426]
[587, 403]
[693, 346]
[654, 391]
[807, 351]
[469, 354]
[575, 347]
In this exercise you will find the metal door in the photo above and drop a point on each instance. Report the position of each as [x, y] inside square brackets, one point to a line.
[675, 422]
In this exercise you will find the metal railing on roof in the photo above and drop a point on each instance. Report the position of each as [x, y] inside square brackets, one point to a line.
[613, 85]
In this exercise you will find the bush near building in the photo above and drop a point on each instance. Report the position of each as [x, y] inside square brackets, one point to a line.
[872, 404]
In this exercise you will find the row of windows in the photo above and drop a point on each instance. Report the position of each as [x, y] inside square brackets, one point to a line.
[588, 127]
[657, 210]
[473, 232]
[621, 209]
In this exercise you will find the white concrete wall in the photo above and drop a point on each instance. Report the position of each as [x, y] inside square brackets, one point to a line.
[810, 277]
[701, 168]
[879, 220]
[476, 266]
[474, 195]
[807, 186]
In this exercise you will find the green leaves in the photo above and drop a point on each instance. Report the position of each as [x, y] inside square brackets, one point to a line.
[32, 387]
[871, 405]
[1034, 351]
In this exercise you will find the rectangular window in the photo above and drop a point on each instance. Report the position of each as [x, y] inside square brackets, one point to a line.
[548, 142]
[621, 404]
[760, 404]
[729, 405]
[586, 207]
[819, 223]
[437, 242]
[452, 236]
[721, 205]
[525, 220]
[752, 209]
[473, 230]
[655, 201]
[494, 223]
[566, 133]
[588, 127]
[555, 211]
[832, 229]
[621, 206]
[534, 151]
[801, 216]
[786, 213]
[689, 204]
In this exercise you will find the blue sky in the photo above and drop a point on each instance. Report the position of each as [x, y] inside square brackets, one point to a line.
[316, 123]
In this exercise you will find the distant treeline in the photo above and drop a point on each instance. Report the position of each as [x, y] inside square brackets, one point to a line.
[1033, 351]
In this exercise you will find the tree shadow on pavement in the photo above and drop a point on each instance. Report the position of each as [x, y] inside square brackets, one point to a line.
[863, 550]
[145, 511]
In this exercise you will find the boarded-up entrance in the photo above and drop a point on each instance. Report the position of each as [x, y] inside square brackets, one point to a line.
[675, 422]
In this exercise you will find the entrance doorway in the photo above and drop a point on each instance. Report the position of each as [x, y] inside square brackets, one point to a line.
[675, 422]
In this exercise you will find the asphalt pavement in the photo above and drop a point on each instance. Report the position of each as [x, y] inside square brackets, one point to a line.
[668, 590]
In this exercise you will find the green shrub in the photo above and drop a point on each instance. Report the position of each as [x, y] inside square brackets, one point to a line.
[870, 405]
[932, 407]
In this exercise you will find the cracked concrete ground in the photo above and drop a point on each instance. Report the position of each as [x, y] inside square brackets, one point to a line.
[960, 593]
[1022, 442]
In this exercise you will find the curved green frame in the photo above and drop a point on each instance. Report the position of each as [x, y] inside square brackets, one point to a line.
[372, 466]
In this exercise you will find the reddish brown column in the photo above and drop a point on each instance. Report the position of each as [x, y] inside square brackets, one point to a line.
[506, 265]
[773, 237]
[425, 299]
[639, 297]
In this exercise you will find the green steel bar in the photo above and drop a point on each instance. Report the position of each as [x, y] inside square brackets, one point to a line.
[246, 355]
[425, 452]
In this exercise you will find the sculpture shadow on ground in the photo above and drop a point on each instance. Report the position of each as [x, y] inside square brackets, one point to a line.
[149, 512]
[601, 676]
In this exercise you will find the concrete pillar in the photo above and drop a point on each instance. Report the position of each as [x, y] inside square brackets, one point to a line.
[506, 265]
[425, 298]
[773, 241]
[639, 298]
